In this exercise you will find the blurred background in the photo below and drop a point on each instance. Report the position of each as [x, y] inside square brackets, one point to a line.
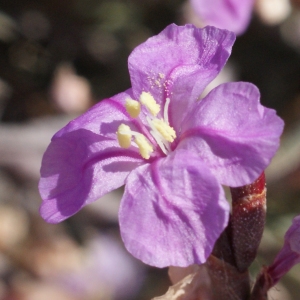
[59, 57]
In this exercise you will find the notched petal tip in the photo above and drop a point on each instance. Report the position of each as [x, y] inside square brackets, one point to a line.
[50, 215]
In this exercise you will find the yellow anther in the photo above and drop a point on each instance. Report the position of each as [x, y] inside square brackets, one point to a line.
[167, 132]
[124, 136]
[144, 146]
[150, 103]
[133, 107]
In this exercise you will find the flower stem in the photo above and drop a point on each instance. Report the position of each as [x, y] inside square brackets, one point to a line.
[248, 221]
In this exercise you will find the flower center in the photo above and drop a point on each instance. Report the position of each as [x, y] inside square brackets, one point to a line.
[159, 128]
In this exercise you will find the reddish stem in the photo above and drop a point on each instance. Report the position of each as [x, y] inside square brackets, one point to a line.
[248, 221]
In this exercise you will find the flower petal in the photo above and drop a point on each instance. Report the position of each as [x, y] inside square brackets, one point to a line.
[84, 161]
[233, 133]
[289, 255]
[172, 211]
[179, 63]
[292, 236]
[233, 15]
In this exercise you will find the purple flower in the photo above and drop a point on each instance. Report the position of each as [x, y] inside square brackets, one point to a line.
[171, 151]
[289, 255]
[232, 15]
[105, 269]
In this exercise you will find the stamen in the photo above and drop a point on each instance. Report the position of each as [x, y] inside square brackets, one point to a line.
[167, 132]
[150, 103]
[133, 108]
[124, 136]
[166, 109]
[144, 146]
[160, 130]
[160, 143]
[163, 144]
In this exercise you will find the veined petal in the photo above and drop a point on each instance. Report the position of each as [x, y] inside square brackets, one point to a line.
[292, 236]
[84, 161]
[103, 118]
[232, 15]
[233, 133]
[172, 211]
[179, 63]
